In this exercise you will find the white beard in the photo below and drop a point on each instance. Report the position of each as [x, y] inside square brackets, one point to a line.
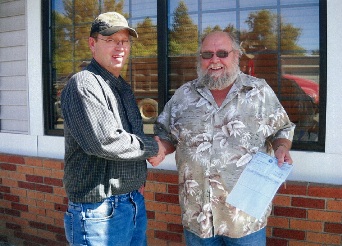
[214, 82]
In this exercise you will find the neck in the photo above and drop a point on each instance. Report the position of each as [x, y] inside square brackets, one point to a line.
[220, 95]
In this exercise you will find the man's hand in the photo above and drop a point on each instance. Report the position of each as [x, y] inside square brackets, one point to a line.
[165, 148]
[281, 149]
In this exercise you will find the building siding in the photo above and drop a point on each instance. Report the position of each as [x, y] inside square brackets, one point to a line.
[13, 63]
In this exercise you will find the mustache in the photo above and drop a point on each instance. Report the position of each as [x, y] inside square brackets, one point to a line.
[213, 81]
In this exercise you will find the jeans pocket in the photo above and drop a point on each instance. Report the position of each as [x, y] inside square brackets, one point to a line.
[68, 227]
[104, 211]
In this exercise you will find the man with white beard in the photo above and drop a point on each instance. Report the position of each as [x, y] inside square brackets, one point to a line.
[216, 123]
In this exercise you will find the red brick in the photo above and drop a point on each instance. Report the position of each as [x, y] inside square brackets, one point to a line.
[166, 198]
[19, 192]
[276, 242]
[34, 179]
[33, 161]
[293, 188]
[156, 187]
[25, 169]
[174, 209]
[37, 210]
[333, 228]
[289, 212]
[58, 174]
[54, 214]
[5, 203]
[290, 234]
[53, 164]
[328, 191]
[11, 198]
[31, 238]
[65, 200]
[18, 206]
[55, 229]
[43, 219]
[61, 207]
[27, 185]
[324, 238]
[175, 237]
[37, 225]
[279, 222]
[17, 176]
[305, 243]
[150, 215]
[12, 212]
[44, 188]
[12, 159]
[59, 191]
[43, 172]
[165, 176]
[13, 226]
[282, 200]
[306, 225]
[53, 181]
[175, 228]
[156, 206]
[334, 205]
[62, 239]
[169, 218]
[173, 189]
[319, 215]
[5, 189]
[148, 195]
[8, 167]
[308, 203]
[51, 197]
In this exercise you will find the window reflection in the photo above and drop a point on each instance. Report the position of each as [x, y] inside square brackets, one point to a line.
[279, 45]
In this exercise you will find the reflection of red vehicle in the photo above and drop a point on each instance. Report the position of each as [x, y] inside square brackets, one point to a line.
[310, 87]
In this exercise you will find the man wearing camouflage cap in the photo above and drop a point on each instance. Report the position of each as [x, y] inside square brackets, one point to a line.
[105, 147]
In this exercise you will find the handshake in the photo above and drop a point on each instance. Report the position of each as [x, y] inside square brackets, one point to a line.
[165, 148]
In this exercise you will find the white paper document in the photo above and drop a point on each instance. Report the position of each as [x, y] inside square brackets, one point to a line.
[258, 184]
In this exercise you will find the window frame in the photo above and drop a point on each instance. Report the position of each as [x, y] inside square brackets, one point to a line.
[163, 68]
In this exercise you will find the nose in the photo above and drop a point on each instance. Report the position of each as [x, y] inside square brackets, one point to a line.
[215, 58]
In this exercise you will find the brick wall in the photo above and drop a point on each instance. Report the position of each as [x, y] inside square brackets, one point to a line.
[32, 203]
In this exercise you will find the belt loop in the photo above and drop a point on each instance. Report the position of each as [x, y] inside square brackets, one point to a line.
[116, 201]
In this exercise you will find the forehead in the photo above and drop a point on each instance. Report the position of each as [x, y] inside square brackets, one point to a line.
[216, 41]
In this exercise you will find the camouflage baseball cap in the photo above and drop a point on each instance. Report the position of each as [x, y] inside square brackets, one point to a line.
[109, 23]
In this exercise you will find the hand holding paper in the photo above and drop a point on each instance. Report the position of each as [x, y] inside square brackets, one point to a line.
[258, 184]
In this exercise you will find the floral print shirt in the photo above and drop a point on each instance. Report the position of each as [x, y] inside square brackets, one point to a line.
[214, 144]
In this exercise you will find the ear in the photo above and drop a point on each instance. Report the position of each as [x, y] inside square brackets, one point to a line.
[91, 43]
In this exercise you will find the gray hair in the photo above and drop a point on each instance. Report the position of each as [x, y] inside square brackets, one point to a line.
[231, 36]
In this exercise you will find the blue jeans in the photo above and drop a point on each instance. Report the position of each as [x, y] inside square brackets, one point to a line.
[118, 220]
[255, 239]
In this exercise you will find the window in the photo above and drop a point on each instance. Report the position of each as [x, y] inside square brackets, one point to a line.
[279, 45]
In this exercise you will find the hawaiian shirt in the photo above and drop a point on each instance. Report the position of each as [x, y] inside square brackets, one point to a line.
[214, 144]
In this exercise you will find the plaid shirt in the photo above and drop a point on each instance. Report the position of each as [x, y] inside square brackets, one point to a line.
[105, 147]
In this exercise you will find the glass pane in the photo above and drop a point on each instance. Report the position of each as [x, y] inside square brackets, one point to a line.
[218, 21]
[192, 5]
[71, 53]
[259, 3]
[290, 67]
[213, 4]
[291, 2]
[300, 68]
[279, 45]
[183, 45]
